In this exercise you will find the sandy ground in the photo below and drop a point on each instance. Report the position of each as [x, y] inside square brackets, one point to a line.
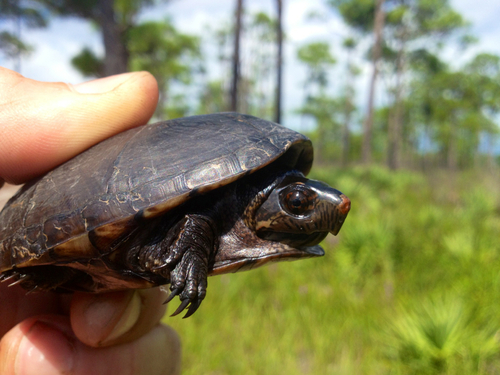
[6, 192]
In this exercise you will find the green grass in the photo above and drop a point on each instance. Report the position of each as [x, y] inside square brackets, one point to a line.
[410, 286]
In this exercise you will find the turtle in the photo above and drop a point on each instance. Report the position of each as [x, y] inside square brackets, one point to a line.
[170, 203]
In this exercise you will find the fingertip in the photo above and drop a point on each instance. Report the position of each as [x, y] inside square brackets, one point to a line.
[130, 98]
[41, 346]
[94, 316]
[117, 317]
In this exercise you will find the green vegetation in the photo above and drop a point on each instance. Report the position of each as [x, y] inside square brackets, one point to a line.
[410, 286]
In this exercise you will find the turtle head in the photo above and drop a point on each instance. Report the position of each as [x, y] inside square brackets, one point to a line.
[286, 220]
[301, 212]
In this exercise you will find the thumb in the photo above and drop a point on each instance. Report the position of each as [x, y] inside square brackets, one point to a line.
[43, 124]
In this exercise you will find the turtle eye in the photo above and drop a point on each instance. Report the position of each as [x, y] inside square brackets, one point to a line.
[298, 200]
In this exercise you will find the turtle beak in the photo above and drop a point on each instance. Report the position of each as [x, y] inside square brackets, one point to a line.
[342, 210]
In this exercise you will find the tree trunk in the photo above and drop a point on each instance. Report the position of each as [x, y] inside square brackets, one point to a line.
[348, 109]
[395, 134]
[490, 160]
[346, 137]
[320, 143]
[377, 51]
[236, 56]
[279, 61]
[116, 54]
[452, 154]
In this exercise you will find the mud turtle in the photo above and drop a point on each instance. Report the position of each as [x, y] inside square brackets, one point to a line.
[172, 202]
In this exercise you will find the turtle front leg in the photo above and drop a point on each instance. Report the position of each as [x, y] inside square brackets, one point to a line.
[188, 251]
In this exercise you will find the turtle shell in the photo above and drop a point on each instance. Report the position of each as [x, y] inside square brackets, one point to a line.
[83, 207]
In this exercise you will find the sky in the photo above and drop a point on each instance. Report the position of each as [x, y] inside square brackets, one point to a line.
[64, 38]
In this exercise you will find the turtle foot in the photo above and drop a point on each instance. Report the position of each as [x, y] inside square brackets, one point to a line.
[187, 250]
[189, 282]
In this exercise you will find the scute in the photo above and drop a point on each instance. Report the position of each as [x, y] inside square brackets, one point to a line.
[143, 172]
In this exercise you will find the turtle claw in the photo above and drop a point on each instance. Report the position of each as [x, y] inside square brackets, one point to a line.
[181, 307]
[189, 281]
[32, 290]
[22, 277]
[172, 294]
[5, 277]
[192, 308]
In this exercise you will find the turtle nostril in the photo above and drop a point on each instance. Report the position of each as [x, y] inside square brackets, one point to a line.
[345, 206]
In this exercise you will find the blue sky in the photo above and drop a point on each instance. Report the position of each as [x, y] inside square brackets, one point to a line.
[64, 38]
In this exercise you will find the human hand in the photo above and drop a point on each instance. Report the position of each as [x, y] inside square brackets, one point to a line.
[41, 126]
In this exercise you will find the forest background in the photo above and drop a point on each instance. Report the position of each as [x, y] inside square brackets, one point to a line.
[400, 100]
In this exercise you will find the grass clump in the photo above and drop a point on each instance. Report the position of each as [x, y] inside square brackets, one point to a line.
[438, 336]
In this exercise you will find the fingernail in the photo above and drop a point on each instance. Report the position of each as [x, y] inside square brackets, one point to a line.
[102, 85]
[44, 350]
[128, 319]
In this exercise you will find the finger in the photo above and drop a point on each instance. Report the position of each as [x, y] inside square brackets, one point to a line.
[44, 124]
[117, 317]
[46, 346]
[19, 305]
